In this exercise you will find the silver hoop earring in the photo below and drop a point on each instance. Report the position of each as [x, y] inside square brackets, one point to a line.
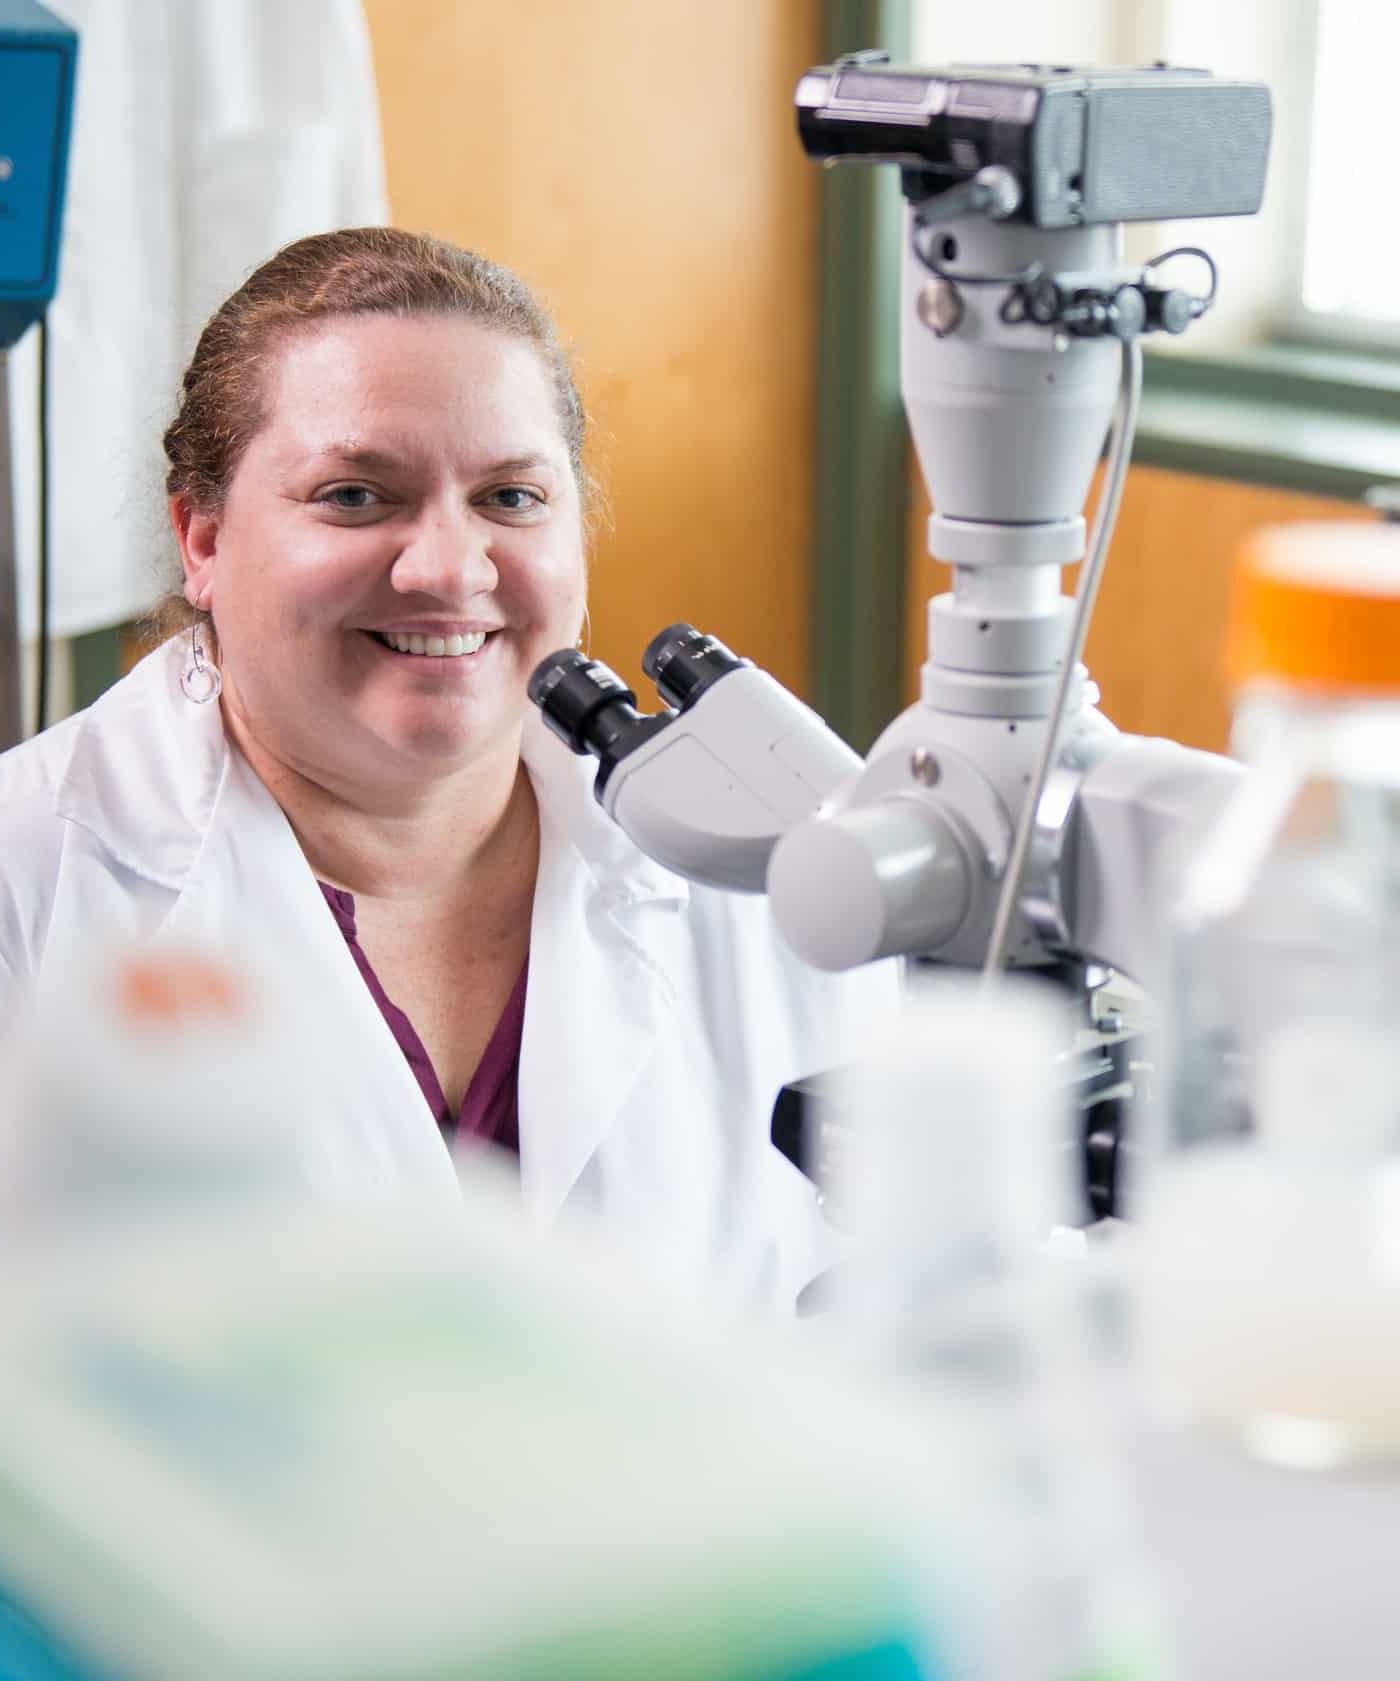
[200, 680]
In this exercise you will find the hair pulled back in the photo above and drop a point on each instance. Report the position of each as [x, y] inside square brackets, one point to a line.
[354, 271]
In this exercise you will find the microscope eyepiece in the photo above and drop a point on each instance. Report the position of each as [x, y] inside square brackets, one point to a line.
[683, 662]
[591, 709]
[572, 691]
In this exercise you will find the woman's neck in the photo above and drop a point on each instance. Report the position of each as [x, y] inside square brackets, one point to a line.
[439, 843]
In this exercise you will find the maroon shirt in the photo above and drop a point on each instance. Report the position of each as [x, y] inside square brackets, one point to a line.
[489, 1109]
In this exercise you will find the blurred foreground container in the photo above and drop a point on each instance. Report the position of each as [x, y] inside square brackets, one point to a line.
[957, 1171]
[250, 1434]
[1270, 1298]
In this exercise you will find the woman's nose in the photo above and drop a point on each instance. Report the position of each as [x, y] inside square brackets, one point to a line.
[448, 554]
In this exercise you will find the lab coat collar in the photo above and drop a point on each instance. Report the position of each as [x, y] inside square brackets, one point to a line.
[251, 883]
[605, 954]
[153, 777]
[152, 804]
[563, 784]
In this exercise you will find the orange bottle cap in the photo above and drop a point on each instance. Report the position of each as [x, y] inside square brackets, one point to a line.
[1317, 604]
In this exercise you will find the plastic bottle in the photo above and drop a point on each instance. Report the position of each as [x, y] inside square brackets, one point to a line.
[1270, 1265]
[162, 1079]
[957, 1172]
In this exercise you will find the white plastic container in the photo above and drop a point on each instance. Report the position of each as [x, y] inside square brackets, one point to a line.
[957, 1173]
[1270, 1267]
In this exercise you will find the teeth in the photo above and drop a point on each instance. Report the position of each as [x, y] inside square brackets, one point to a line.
[449, 645]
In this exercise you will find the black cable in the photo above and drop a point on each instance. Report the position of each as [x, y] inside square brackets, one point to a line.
[922, 236]
[1199, 305]
[41, 704]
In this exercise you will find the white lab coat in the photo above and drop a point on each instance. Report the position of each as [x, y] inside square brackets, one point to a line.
[660, 1020]
[206, 134]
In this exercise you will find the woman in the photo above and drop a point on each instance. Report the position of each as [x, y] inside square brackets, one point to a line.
[377, 488]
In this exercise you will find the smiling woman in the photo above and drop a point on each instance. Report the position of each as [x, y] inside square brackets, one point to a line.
[376, 483]
[336, 568]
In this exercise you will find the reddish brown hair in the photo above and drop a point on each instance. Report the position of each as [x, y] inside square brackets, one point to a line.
[355, 271]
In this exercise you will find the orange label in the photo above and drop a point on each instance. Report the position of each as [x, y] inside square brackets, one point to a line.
[167, 990]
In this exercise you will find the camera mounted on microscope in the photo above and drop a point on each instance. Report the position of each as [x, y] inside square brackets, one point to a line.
[1082, 146]
[1050, 148]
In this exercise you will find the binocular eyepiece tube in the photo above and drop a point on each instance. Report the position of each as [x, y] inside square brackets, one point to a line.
[591, 709]
[683, 662]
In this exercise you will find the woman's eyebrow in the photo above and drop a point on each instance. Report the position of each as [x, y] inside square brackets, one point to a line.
[355, 455]
[521, 464]
[378, 460]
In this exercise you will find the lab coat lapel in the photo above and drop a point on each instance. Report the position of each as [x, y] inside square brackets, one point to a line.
[601, 986]
[252, 889]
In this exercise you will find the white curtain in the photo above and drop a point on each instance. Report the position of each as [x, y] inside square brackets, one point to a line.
[206, 134]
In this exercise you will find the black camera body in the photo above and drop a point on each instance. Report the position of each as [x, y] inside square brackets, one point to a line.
[1086, 146]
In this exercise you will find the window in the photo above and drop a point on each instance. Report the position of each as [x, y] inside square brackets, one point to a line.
[1349, 277]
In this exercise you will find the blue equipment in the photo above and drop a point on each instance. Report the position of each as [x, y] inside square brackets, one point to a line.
[38, 65]
[38, 61]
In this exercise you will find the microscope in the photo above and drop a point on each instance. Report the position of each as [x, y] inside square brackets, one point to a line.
[1001, 822]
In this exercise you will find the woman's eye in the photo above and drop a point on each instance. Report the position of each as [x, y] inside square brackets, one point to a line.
[350, 498]
[516, 499]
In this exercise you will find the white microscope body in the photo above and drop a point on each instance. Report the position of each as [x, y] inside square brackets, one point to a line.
[910, 856]
[1001, 820]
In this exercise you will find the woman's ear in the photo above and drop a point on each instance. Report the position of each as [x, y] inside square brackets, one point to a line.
[197, 534]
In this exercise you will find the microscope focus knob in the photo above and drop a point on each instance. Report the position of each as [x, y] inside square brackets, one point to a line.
[1169, 310]
[869, 882]
[1127, 313]
[1095, 315]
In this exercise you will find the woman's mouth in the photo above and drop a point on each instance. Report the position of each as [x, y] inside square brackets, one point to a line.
[452, 647]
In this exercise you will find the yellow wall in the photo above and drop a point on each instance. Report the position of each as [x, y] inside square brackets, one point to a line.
[638, 163]
[1154, 645]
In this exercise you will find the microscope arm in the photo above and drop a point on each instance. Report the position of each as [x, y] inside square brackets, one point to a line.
[1135, 813]
[710, 795]
[894, 865]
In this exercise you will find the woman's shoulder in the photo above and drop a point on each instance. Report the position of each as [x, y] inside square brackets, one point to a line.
[35, 763]
[31, 776]
[127, 773]
[31, 843]
[36, 775]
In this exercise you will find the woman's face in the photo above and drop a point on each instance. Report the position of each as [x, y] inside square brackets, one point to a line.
[410, 482]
